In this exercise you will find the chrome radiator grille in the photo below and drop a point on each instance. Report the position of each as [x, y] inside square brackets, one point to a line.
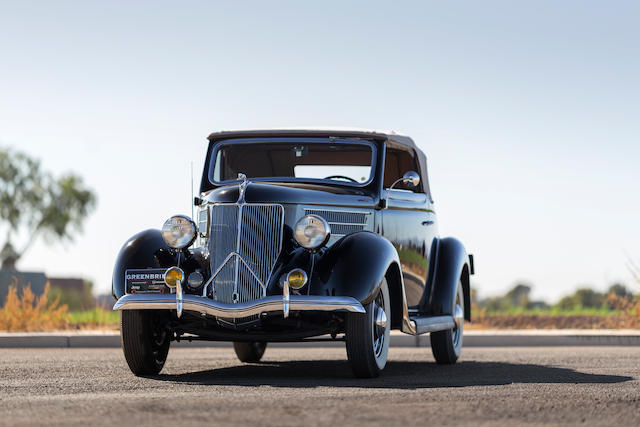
[244, 243]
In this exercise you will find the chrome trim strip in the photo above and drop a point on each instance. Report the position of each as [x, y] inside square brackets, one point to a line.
[286, 299]
[179, 298]
[210, 307]
[359, 224]
[226, 260]
[239, 240]
[320, 208]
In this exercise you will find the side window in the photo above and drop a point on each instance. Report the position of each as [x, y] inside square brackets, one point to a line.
[396, 164]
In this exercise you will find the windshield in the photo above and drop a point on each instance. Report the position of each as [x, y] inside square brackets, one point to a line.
[341, 161]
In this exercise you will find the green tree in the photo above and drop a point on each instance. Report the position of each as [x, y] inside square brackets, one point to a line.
[35, 204]
[582, 298]
[516, 298]
[519, 296]
[620, 290]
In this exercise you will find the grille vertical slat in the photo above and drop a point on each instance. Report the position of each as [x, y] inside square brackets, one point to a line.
[257, 240]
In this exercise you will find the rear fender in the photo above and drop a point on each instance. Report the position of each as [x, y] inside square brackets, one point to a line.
[452, 264]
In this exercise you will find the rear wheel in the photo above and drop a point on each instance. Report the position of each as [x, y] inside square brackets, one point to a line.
[250, 351]
[447, 345]
[145, 341]
[367, 336]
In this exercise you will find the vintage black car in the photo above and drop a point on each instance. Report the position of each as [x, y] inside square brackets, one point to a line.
[299, 235]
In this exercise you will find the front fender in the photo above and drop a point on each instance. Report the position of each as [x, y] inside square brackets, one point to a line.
[144, 250]
[354, 266]
[452, 264]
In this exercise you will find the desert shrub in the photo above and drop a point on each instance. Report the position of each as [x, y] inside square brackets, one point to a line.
[29, 313]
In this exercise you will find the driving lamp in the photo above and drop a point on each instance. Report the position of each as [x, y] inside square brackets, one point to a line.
[179, 232]
[172, 275]
[311, 231]
[297, 278]
[195, 279]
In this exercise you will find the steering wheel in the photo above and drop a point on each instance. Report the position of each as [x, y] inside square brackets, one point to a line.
[341, 177]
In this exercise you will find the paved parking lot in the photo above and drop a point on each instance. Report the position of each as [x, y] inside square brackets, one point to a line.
[314, 386]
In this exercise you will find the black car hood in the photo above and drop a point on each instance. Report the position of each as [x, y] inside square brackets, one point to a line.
[310, 194]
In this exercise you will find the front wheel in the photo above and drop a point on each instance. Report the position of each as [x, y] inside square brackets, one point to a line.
[367, 336]
[145, 341]
[446, 346]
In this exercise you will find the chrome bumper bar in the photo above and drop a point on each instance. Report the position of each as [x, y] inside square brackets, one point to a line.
[270, 304]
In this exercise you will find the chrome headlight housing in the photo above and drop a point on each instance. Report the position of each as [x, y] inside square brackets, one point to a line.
[179, 232]
[311, 231]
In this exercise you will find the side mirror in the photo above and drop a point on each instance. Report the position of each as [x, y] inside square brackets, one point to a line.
[410, 179]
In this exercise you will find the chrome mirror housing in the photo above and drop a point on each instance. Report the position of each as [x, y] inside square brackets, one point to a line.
[411, 179]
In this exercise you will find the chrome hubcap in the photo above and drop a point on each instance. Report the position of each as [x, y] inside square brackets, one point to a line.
[379, 324]
[381, 319]
[458, 316]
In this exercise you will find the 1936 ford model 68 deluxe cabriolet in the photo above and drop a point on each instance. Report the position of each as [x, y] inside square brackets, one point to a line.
[299, 235]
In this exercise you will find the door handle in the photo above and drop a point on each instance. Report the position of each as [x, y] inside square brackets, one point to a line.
[427, 222]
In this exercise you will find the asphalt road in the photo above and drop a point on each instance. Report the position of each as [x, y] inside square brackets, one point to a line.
[314, 386]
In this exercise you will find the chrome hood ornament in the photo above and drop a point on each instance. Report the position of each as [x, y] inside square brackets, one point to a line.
[242, 187]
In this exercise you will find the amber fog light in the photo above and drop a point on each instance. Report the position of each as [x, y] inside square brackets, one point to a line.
[172, 275]
[297, 278]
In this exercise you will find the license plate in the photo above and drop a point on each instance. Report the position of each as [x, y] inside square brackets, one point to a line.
[146, 281]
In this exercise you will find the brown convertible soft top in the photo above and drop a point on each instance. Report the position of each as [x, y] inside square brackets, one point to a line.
[392, 138]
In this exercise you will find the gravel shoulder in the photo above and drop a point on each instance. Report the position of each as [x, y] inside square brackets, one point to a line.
[314, 386]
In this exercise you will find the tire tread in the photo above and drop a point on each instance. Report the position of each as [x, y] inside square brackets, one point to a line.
[136, 338]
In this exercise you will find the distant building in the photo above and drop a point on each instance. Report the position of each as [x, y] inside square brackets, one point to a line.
[105, 301]
[37, 282]
[67, 284]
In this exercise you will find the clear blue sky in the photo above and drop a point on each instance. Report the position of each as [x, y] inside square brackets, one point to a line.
[528, 112]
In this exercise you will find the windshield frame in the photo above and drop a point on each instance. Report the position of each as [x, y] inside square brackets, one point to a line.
[305, 140]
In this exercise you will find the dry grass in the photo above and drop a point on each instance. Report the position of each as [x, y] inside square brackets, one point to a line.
[625, 316]
[98, 318]
[31, 314]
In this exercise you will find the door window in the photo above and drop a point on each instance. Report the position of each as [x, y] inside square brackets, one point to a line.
[397, 163]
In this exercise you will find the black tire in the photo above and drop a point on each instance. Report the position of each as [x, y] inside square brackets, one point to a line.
[446, 346]
[250, 351]
[367, 342]
[145, 342]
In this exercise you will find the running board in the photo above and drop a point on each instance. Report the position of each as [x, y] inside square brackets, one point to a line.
[422, 325]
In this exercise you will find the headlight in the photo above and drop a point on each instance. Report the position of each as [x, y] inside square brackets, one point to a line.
[179, 232]
[311, 231]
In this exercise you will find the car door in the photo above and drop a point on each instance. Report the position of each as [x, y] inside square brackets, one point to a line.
[409, 222]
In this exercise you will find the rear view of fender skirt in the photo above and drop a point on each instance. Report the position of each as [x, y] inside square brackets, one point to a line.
[210, 307]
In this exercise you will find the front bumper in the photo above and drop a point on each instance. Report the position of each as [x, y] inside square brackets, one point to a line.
[270, 304]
